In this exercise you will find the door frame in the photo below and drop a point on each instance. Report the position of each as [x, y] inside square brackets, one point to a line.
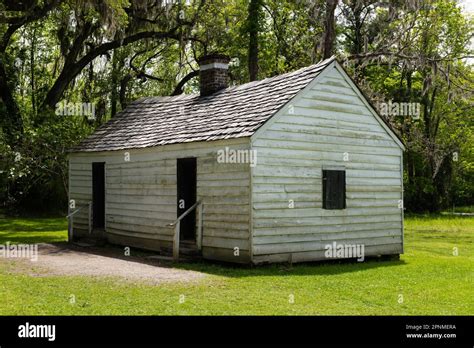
[102, 165]
[191, 218]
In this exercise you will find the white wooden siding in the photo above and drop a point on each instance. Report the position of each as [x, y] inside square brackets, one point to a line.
[325, 121]
[141, 196]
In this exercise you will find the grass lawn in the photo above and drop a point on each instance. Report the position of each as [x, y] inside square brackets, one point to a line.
[429, 279]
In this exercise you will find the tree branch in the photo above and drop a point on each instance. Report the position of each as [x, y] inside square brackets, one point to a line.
[71, 70]
[34, 13]
[179, 88]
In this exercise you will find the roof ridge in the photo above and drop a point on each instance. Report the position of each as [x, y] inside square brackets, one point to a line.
[321, 63]
[167, 98]
[233, 112]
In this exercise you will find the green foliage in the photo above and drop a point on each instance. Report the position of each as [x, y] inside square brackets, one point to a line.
[425, 64]
[35, 173]
[424, 276]
[395, 52]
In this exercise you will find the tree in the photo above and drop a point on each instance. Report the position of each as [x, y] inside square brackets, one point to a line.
[417, 56]
[329, 36]
[253, 24]
[110, 52]
[83, 32]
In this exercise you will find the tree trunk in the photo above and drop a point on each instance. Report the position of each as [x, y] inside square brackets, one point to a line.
[358, 43]
[329, 36]
[13, 123]
[32, 72]
[123, 91]
[56, 91]
[113, 96]
[253, 22]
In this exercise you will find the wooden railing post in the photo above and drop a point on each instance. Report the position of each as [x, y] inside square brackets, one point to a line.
[90, 217]
[199, 231]
[70, 223]
[177, 224]
[70, 227]
[176, 241]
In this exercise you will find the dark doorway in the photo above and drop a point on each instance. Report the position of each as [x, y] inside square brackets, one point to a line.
[98, 194]
[186, 176]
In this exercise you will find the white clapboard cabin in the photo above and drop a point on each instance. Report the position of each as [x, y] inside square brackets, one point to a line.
[269, 171]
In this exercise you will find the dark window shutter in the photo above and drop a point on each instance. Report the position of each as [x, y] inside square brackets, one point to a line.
[334, 189]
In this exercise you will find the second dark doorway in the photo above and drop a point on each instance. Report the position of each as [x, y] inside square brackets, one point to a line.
[186, 176]
[98, 194]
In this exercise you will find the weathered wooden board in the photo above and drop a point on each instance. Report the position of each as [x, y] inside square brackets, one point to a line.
[141, 195]
[271, 212]
[327, 126]
[374, 250]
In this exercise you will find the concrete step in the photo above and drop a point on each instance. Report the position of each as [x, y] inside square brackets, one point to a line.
[189, 251]
[90, 241]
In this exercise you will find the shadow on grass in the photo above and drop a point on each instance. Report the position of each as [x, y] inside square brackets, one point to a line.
[237, 271]
[36, 231]
[301, 269]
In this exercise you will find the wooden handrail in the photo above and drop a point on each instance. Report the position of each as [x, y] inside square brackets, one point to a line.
[77, 210]
[183, 215]
[177, 225]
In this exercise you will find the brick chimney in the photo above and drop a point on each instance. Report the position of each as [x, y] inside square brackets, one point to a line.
[213, 73]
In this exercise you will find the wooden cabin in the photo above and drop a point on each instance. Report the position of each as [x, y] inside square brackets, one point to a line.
[269, 171]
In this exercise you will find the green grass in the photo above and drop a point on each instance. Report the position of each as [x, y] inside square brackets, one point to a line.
[430, 278]
[33, 230]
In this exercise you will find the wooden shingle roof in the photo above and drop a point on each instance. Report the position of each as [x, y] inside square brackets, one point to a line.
[234, 112]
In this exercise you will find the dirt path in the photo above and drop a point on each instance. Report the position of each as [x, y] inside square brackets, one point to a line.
[67, 260]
